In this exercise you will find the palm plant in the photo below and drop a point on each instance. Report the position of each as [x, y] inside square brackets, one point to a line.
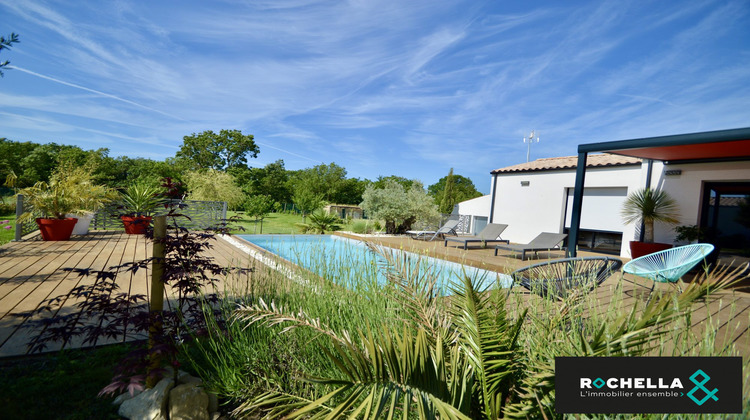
[70, 189]
[321, 221]
[460, 358]
[648, 206]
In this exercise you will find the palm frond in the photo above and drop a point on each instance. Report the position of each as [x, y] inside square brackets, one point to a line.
[416, 290]
[489, 341]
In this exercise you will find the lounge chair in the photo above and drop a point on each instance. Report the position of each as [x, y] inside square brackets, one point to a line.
[429, 235]
[668, 266]
[490, 233]
[559, 278]
[545, 241]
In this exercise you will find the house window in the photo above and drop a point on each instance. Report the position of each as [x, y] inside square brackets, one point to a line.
[598, 241]
[725, 216]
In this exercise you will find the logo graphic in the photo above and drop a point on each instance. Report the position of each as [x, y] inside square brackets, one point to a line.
[599, 383]
[699, 386]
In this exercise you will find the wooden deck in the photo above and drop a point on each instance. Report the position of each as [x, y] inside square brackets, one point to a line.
[32, 271]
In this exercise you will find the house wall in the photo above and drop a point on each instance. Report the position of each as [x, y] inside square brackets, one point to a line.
[478, 211]
[687, 188]
[541, 206]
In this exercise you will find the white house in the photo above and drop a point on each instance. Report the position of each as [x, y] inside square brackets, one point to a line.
[474, 214]
[711, 184]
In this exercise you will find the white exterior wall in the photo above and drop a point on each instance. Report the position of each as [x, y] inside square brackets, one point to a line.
[476, 207]
[479, 206]
[687, 188]
[540, 207]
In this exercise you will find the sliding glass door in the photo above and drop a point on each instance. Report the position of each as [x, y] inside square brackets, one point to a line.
[725, 216]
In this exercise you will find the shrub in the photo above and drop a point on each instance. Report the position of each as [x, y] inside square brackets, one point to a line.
[361, 226]
[376, 349]
[213, 185]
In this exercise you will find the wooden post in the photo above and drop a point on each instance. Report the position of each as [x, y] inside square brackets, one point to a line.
[157, 295]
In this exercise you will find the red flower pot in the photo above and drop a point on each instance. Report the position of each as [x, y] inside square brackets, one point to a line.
[56, 229]
[639, 249]
[135, 225]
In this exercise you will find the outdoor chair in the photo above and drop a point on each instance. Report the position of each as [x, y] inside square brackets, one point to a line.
[545, 241]
[668, 266]
[490, 233]
[559, 277]
[429, 235]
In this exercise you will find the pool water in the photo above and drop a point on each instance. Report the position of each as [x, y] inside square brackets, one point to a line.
[350, 262]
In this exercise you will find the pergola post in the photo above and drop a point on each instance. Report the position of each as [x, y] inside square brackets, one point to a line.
[575, 218]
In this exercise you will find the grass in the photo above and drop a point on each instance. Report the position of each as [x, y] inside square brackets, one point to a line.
[60, 385]
[284, 223]
[7, 235]
[273, 223]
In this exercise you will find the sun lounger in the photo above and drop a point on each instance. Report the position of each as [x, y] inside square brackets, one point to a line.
[490, 233]
[544, 242]
[428, 235]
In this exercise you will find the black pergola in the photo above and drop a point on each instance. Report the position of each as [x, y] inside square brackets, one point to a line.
[709, 146]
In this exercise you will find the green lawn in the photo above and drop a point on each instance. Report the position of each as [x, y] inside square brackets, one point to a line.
[273, 223]
[7, 235]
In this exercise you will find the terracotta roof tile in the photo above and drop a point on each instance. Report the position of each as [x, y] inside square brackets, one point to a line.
[570, 162]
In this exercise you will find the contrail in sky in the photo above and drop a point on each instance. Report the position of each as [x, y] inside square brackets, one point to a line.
[287, 151]
[62, 82]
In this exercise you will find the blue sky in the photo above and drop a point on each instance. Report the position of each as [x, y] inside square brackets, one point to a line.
[410, 88]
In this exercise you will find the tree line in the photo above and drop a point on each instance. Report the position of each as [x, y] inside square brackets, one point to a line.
[214, 166]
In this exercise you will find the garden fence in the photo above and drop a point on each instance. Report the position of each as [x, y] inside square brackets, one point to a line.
[202, 214]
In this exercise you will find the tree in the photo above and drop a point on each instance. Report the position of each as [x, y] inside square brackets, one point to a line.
[398, 206]
[6, 43]
[351, 191]
[258, 206]
[324, 180]
[271, 180]
[213, 185]
[463, 189]
[209, 150]
[307, 201]
[383, 180]
[449, 195]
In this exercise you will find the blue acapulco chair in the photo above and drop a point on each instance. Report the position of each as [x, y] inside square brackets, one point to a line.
[668, 266]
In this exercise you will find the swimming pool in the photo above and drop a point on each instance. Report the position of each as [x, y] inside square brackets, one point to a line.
[349, 261]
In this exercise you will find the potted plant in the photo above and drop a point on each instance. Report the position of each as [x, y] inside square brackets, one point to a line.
[139, 201]
[649, 206]
[51, 201]
[88, 196]
[689, 234]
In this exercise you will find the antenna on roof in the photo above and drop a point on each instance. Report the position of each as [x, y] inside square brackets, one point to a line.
[528, 141]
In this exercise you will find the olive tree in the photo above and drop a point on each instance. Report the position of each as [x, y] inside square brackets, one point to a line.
[398, 206]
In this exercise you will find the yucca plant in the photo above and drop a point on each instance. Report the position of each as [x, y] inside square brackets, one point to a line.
[141, 199]
[650, 206]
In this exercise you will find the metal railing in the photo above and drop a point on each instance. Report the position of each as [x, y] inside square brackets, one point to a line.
[202, 214]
